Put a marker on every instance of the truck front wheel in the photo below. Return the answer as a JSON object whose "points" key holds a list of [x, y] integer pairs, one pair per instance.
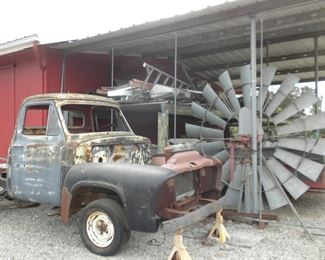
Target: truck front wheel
{"points": [[103, 227]]}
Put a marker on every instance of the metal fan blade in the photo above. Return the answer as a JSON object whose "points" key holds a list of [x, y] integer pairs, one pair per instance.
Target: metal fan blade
{"points": [[195, 131], [310, 145], [206, 115], [300, 103], [245, 121], [307, 167], [268, 75], [308, 123], [232, 197], [248, 194], [222, 156], [245, 77], [285, 88], [291, 183], [273, 193], [211, 148], [225, 173], [211, 96], [226, 83]]}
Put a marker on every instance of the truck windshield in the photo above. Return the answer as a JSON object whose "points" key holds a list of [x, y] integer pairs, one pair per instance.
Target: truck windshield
{"points": [[81, 118]]}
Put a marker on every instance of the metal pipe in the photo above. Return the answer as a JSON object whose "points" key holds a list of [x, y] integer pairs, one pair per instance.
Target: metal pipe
{"points": [[112, 67], [175, 84], [254, 129], [267, 53], [63, 74], [261, 120], [316, 70]]}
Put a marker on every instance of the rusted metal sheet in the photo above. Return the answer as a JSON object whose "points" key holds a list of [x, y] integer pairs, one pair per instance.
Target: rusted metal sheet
{"points": [[191, 218]]}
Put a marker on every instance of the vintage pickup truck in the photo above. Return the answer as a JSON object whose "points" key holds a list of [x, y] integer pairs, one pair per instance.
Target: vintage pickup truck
{"points": [[77, 152]]}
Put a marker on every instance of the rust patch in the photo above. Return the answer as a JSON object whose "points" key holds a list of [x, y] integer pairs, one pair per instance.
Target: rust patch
{"points": [[117, 157], [65, 205]]}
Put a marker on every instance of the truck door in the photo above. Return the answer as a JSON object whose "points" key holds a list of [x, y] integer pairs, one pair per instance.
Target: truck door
{"points": [[35, 155]]}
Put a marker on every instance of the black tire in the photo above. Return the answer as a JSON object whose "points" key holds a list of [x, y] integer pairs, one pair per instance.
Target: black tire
{"points": [[107, 213]]}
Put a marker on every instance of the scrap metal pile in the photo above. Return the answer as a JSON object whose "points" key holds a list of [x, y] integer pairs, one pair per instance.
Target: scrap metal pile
{"points": [[157, 85]]}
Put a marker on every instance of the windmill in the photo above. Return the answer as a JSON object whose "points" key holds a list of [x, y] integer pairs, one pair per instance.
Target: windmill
{"points": [[290, 150]]}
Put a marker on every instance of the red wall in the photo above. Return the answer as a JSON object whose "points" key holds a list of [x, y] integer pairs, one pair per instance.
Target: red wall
{"points": [[20, 76], [23, 75], [86, 72]]}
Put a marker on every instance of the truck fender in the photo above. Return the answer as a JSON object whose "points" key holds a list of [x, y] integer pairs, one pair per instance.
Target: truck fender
{"points": [[67, 195]]}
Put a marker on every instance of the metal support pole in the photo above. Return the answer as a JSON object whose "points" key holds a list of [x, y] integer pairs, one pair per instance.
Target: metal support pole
{"points": [[63, 74], [254, 129], [175, 84], [316, 70], [267, 53], [112, 67], [261, 122]]}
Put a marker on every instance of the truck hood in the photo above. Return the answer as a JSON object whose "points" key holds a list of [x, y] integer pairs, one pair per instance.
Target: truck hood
{"points": [[118, 147]]}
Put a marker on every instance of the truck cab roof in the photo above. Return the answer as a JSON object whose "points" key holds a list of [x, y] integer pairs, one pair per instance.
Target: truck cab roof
{"points": [[72, 97]]}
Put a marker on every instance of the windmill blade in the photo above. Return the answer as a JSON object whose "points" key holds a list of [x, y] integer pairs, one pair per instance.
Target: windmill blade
{"points": [[232, 197], [308, 123], [268, 75], [222, 156], [211, 148], [300, 103], [206, 115], [211, 96], [310, 145], [245, 121], [292, 184], [285, 88], [245, 77], [195, 131], [274, 196], [225, 173], [307, 167], [226, 83], [248, 188]]}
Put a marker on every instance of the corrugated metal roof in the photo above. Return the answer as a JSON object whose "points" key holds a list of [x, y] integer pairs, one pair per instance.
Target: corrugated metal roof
{"points": [[216, 38]]}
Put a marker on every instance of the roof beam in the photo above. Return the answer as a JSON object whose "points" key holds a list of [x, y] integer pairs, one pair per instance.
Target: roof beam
{"points": [[239, 42], [283, 72], [184, 22], [165, 48], [293, 56], [301, 81]]}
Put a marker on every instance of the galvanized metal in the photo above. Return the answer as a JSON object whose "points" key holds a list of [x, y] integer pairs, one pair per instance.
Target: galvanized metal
{"points": [[305, 166], [232, 197], [211, 148], [195, 131], [292, 184], [273, 194], [245, 77], [211, 96], [309, 145], [226, 83], [207, 115], [245, 122], [296, 105], [223, 156], [254, 128], [175, 86], [309, 123], [285, 88], [266, 77]]}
